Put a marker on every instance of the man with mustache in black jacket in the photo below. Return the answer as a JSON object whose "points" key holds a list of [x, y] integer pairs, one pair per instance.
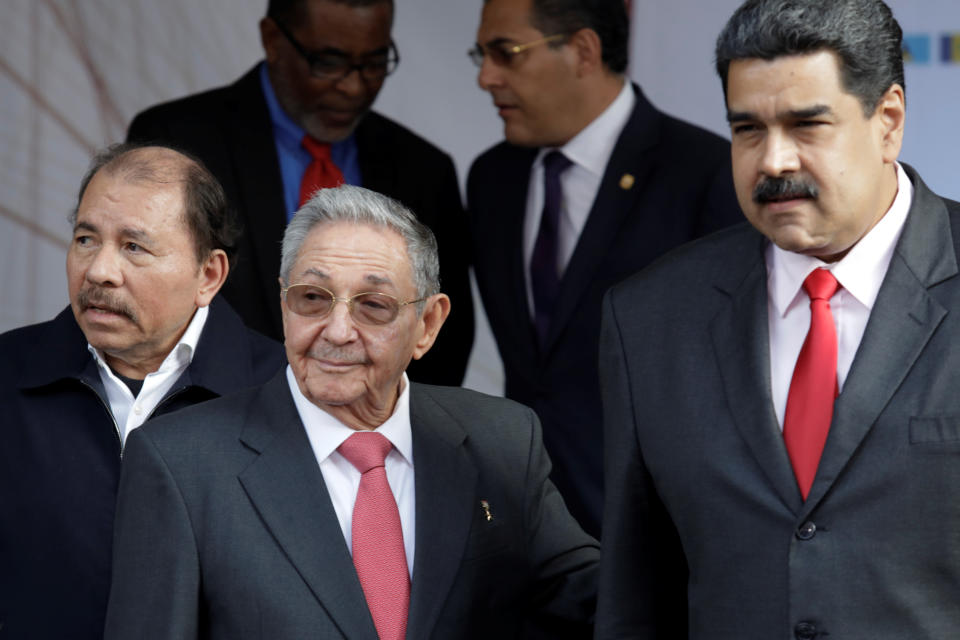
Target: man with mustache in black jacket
{"points": [[143, 335]]}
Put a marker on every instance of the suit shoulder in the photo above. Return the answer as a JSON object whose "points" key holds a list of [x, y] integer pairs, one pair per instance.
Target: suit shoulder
{"points": [[198, 106], [391, 134], [688, 269], [475, 408], [195, 427]]}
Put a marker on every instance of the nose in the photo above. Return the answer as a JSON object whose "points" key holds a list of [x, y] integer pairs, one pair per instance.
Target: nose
{"points": [[104, 268], [352, 84], [779, 154], [339, 327], [489, 75]]}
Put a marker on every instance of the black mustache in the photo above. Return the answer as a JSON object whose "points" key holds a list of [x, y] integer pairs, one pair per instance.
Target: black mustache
{"points": [[773, 189], [101, 299]]}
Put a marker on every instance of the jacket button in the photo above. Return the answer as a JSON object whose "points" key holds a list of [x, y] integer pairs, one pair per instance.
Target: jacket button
{"points": [[805, 631], [806, 531]]}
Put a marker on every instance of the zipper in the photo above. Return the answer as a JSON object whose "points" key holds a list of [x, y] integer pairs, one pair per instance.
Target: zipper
{"points": [[106, 407]]}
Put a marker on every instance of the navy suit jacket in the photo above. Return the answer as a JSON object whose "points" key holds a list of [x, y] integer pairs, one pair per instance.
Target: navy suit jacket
{"points": [[679, 187], [225, 528], [705, 525], [60, 464], [229, 129]]}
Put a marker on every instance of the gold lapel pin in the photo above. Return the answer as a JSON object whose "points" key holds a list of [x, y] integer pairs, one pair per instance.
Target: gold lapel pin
{"points": [[486, 510], [626, 181]]}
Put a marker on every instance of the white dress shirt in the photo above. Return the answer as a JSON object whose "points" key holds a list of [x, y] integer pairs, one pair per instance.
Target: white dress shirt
{"points": [[589, 151], [326, 433], [860, 274], [129, 412]]}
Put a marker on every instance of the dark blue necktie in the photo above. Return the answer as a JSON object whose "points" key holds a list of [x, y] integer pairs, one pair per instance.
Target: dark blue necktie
{"points": [[544, 264]]}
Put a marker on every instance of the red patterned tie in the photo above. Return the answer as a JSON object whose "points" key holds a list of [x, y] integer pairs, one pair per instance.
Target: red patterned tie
{"points": [[813, 388], [378, 552], [321, 173]]}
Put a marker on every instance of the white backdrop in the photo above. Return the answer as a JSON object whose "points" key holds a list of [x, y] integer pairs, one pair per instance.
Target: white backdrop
{"points": [[72, 75]]}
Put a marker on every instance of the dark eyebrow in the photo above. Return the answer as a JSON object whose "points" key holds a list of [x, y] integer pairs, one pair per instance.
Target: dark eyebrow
{"points": [[85, 226], [497, 42], [794, 114], [333, 51]]}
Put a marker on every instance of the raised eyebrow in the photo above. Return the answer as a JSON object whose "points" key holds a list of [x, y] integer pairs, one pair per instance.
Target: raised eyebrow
{"points": [[85, 226], [378, 280], [137, 235], [315, 272]]}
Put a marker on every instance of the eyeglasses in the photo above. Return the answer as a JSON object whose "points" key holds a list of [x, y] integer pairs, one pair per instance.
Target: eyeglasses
{"points": [[502, 55], [368, 308], [332, 64]]}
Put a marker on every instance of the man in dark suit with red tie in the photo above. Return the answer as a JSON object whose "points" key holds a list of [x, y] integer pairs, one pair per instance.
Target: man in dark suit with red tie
{"points": [[300, 120], [783, 428]]}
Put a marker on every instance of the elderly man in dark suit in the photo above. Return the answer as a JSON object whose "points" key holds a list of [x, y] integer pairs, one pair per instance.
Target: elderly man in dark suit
{"points": [[341, 500], [591, 185], [301, 119], [782, 430], [144, 335]]}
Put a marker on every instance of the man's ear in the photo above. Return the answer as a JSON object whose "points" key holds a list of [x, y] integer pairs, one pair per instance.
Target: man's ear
{"points": [[891, 111], [270, 37], [588, 48], [213, 273], [436, 308]]}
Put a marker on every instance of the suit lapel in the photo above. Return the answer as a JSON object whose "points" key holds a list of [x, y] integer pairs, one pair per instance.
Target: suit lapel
{"points": [[286, 488], [612, 204], [903, 319], [259, 182], [445, 479], [742, 346]]}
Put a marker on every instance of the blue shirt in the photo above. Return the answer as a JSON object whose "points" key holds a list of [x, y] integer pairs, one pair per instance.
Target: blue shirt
{"points": [[294, 159]]}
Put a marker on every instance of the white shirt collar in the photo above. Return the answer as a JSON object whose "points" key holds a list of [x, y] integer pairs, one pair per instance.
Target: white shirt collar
{"points": [[181, 354], [326, 433], [592, 147], [860, 272]]}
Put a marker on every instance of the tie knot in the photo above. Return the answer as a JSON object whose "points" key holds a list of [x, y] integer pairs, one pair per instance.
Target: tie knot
{"points": [[820, 285], [555, 163], [365, 450], [318, 150]]}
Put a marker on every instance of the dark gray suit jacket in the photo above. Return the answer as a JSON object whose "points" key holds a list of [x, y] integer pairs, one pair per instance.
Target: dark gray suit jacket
{"points": [[225, 528], [704, 524]]}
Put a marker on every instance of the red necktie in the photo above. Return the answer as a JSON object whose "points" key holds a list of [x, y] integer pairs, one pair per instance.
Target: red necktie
{"points": [[813, 388], [378, 552], [321, 172]]}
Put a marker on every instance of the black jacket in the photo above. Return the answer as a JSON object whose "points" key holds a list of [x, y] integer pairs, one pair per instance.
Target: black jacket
{"points": [[60, 464]]}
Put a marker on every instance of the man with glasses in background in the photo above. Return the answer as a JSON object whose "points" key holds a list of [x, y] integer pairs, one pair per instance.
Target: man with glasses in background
{"points": [[591, 184], [301, 120], [341, 500]]}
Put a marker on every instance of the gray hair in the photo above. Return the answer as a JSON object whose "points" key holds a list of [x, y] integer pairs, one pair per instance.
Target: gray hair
{"points": [[862, 33], [357, 205]]}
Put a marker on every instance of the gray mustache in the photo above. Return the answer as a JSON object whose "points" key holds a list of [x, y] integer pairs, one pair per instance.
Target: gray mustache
{"points": [[99, 298]]}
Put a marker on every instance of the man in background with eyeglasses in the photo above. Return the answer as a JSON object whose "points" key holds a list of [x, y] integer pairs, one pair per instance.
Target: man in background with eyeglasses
{"points": [[340, 499], [301, 120], [591, 184]]}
